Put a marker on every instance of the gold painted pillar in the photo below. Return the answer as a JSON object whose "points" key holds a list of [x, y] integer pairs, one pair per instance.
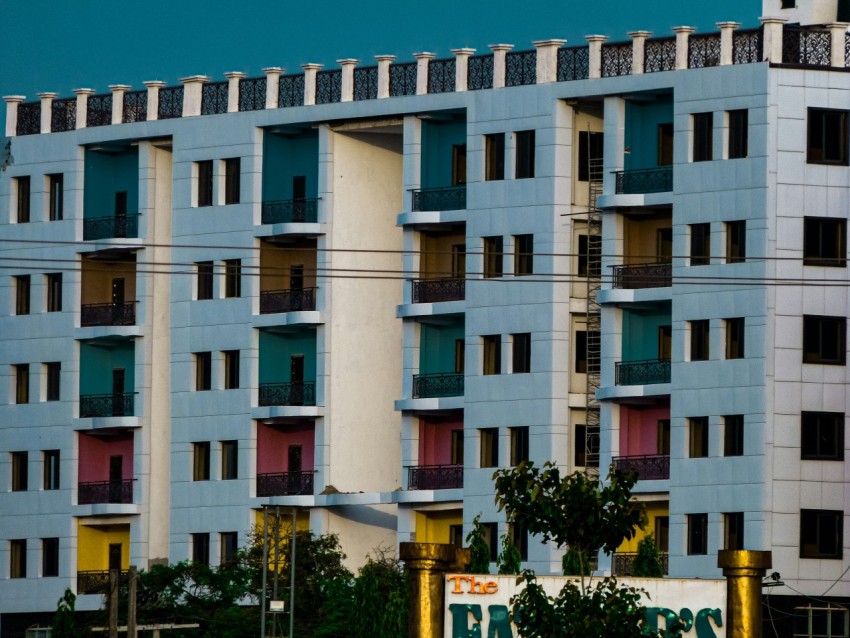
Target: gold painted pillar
{"points": [[427, 565], [744, 570]]}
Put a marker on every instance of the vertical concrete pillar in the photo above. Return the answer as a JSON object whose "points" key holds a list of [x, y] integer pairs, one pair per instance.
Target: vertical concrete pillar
{"points": [[744, 570], [462, 67], [118, 91], [422, 61], [500, 54], [427, 565], [682, 36], [153, 98], [82, 105], [273, 74], [233, 79], [12, 102], [384, 62], [547, 59], [347, 89], [594, 55], [615, 141], [837, 33], [772, 38], [638, 50], [193, 91], [310, 71], [727, 43], [46, 110]]}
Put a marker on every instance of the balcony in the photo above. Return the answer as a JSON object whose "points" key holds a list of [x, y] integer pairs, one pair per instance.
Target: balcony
{"points": [[443, 384], [658, 275], [648, 467], [285, 484], [96, 582], [436, 290], [108, 314], [112, 226], [646, 372], [298, 393], [290, 211], [645, 180], [622, 564], [298, 299], [447, 198], [97, 405], [435, 477], [105, 492]]}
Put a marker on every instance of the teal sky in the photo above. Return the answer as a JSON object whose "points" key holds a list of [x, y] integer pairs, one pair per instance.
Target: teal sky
{"points": [[52, 45]]}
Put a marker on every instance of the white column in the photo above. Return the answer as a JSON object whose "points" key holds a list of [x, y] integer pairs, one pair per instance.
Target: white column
{"points": [[118, 91], [384, 62], [82, 105], [837, 32], [193, 90], [46, 110], [310, 71], [273, 74], [500, 54], [422, 60], [615, 141], [727, 44], [547, 59], [153, 98], [594, 55], [682, 35], [772, 34], [12, 102], [462, 67], [347, 89], [638, 50], [233, 79]]}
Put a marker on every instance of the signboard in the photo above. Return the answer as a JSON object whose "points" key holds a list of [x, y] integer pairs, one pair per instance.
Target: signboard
{"points": [[479, 605]]}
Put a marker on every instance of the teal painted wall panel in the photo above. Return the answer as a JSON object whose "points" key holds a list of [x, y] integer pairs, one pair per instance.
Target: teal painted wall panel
{"points": [[97, 363], [640, 332], [286, 157], [276, 350], [437, 347], [642, 120], [437, 141], [107, 174]]}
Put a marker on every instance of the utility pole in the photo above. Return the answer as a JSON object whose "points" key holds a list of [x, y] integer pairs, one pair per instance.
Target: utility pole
{"points": [[114, 576], [292, 579], [131, 603], [265, 570]]}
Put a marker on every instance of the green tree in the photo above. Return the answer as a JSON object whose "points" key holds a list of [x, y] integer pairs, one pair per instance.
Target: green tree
{"points": [[479, 549], [380, 598], [648, 560], [64, 622], [509, 560]]}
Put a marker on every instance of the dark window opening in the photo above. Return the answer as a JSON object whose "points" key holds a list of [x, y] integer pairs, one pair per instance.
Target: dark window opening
{"points": [[493, 253], [489, 447], [519, 445], [494, 156], [458, 164], [824, 340], [54, 371], [738, 134], [201, 461], [203, 371], [735, 338], [492, 360], [22, 294], [205, 279], [205, 183], [697, 534], [824, 242], [55, 197], [822, 436], [736, 242], [700, 244], [54, 292], [699, 340], [231, 369], [51, 470], [665, 144], [698, 437], [821, 534], [733, 533], [523, 254], [703, 133], [49, 557], [733, 435], [22, 188], [521, 353], [590, 153], [827, 137], [524, 154], [232, 177], [201, 549]]}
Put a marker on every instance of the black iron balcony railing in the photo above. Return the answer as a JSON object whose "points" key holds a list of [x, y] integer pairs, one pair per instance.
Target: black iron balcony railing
{"points": [[105, 492], [642, 372], [434, 290], [446, 198], [112, 226], [29, 118], [434, 477], [645, 180], [285, 484], [290, 211], [623, 563], [108, 314], [443, 384], [93, 405], [806, 47], [298, 393], [648, 467], [272, 301], [96, 582], [658, 275]]}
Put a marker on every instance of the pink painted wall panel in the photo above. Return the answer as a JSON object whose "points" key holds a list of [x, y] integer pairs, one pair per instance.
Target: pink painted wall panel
{"points": [[273, 447], [95, 453], [435, 440], [639, 428]]}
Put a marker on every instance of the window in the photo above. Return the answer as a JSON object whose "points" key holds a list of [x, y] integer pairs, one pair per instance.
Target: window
{"points": [[662, 438], [821, 533], [698, 437], [227, 547], [519, 538], [22, 383], [233, 278], [231, 369], [22, 295], [699, 340], [589, 256], [489, 447], [22, 190], [523, 254], [201, 548], [822, 436], [736, 242], [492, 360], [827, 142], [703, 132], [459, 261], [204, 271], [51, 469], [20, 471], [590, 154], [824, 339], [665, 144], [18, 558], [665, 341], [524, 154], [229, 460], [203, 371], [205, 183], [738, 133], [232, 175], [733, 530], [54, 291], [458, 164], [697, 534], [457, 447], [824, 242], [53, 373], [49, 557], [55, 197], [519, 445], [733, 435], [493, 256], [460, 356], [700, 244], [491, 537], [521, 360], [201, 461], [585, 444], [494, 156], [789, 4], [456, 535], [734, 338], [662, 533], [826, 621], [581, 351]]}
